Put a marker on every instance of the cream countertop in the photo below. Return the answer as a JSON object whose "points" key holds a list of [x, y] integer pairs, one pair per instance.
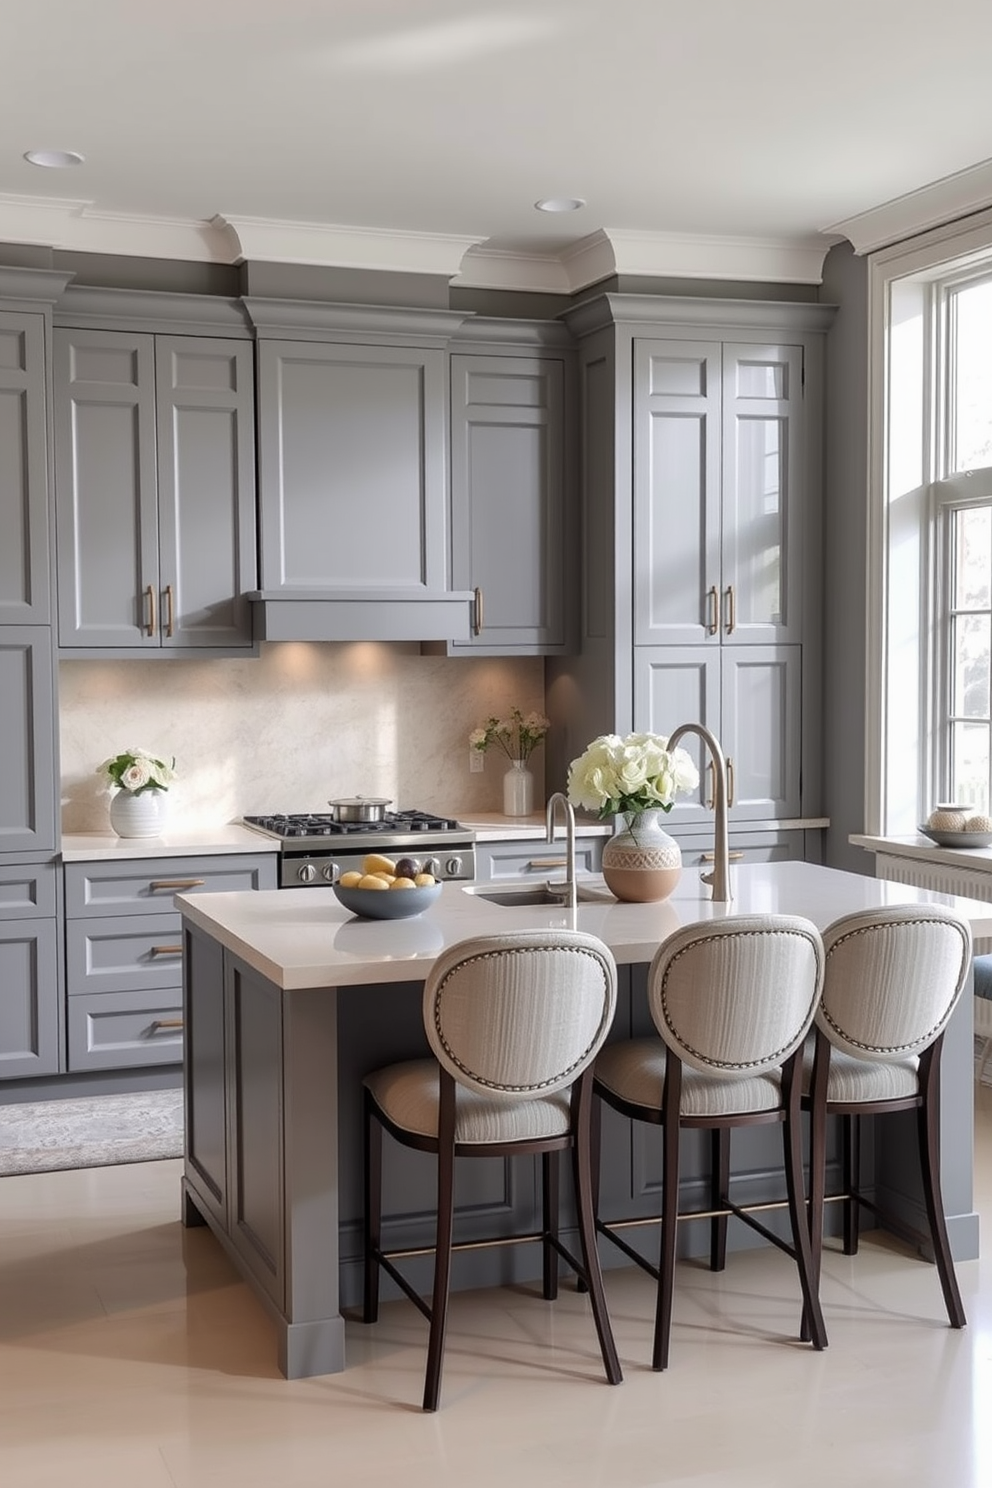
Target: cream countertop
{"points": [[491, 826], [181, 843], [300, 938]]}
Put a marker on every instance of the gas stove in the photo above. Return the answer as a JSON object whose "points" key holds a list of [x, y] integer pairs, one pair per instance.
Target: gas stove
{"points": [[317, 849]]}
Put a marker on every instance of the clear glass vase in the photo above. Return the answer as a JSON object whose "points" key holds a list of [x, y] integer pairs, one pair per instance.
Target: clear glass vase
{"points": [[518, 790]]}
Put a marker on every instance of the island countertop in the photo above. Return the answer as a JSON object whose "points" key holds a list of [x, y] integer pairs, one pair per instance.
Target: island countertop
{"points": [[303, 938]]}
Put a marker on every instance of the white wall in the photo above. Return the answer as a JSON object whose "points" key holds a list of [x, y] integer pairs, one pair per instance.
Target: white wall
{"points": [[288, 730]]}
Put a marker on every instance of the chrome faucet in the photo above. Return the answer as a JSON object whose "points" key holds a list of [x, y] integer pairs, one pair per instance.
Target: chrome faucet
{"points": [[720, 877], [566, 888]]}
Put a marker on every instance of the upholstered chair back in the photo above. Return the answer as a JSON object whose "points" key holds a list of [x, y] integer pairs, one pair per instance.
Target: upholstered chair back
{"points": [[521, 1015], [893, 978], [736, 997]]}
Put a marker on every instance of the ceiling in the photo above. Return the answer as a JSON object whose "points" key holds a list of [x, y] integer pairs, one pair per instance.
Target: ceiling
{"points": [[407, 133]]}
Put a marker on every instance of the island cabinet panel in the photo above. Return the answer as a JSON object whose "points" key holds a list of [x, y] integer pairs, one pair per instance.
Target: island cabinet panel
{"points": [[256, 1202], [535, 859], [24, 570], [204, 1072], [29, 973], [155, 491]]}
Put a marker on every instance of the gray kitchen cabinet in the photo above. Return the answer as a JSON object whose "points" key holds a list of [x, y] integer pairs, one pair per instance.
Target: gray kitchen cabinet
{"points": [[24, 569], [510, 535], [532, 859], [29, 971], [123, 952], [155, 491], [28, 776]]}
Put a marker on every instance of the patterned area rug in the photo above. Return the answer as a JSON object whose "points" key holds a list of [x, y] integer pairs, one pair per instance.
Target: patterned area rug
{"points": [[92, 1132]]}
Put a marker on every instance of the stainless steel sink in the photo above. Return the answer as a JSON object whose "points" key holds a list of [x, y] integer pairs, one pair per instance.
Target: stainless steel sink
{"points": [[527, 896]]}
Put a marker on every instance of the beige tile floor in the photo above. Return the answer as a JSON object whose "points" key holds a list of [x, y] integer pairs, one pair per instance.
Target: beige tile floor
{"points": [[130, 1354]]}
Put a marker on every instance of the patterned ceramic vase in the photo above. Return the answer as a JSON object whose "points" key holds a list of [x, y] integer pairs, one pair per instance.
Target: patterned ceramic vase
{"points": [[641, 863], [138, 813]]}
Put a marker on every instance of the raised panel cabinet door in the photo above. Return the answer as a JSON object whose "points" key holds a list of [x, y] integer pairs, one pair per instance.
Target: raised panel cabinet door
{"points": [[675, 685], [28, 783], [677, 513], [761, 601], [29, 999], [206, 490], [762, 714], [106, 502], [507, 500], [25, 597], [352, 468]]}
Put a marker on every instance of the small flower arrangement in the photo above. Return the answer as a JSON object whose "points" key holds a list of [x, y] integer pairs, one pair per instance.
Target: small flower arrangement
{"points": [[136, 770], [623, 777], [518, 736]]}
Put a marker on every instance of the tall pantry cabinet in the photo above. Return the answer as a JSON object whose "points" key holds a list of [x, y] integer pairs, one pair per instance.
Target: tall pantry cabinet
{"points": [[29, 962], [701, 479]]}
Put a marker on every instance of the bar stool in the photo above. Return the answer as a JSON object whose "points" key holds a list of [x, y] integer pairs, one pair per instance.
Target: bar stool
{"points": [[733, 1000], [893, 978], [514, 1022]]}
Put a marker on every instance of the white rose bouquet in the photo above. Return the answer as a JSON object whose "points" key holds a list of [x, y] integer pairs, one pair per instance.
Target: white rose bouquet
{"points": [[136, 770], [623, 777]]}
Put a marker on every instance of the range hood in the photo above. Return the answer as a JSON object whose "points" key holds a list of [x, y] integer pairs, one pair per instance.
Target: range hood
{"points": [[362, 615]]}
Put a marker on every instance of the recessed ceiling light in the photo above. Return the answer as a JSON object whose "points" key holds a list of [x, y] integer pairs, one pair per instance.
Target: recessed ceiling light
{"points": [[53, 159], [559, 204]]}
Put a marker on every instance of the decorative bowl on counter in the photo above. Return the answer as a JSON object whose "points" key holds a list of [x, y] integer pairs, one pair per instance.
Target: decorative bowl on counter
{"points": [[387, 904], [956, 839]]}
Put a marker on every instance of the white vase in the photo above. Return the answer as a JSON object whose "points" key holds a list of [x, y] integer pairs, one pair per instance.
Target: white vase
{"points": [[642, 863], [518, 790], [138, 813]]}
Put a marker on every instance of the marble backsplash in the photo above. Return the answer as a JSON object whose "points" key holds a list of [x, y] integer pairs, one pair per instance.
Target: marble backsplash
{"points": [[292, 728]]}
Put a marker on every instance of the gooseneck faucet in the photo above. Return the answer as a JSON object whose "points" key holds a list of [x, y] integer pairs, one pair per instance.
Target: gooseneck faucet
{"points": [[720, 877], [567, 889]]}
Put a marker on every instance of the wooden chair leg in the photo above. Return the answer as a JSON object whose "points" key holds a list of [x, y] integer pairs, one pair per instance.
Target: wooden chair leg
{"points": [[373, 1209], [817, 1172], [550, 1200], [595, 1154], [851, 1129], [582, 1171], [719, 1187], [669, 1213], [442, 1255], [812, 1319], [928, 1128]]}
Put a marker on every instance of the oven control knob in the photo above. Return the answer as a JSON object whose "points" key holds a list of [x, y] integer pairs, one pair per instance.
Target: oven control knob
{"points": [[330, 872], [307, 873], [431, 865], [453, 867]]}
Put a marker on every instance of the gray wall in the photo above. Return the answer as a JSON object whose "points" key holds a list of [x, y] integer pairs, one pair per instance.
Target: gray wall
{"points": [[845, 284]]}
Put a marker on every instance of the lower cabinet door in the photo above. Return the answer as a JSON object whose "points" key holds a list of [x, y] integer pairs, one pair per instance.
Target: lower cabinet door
{"points": [[125, 1030], [29, 998]]}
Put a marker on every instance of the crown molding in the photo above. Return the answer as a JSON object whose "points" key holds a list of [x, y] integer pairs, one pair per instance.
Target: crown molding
{"points": [[933, 205], [64, 223], [335, 245]]}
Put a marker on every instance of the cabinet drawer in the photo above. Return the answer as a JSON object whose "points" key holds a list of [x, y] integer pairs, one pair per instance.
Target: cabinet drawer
{"points": [[535, 859], [745, 847], [124, 1030], [28, 892], [124, 954], [149, 885]]}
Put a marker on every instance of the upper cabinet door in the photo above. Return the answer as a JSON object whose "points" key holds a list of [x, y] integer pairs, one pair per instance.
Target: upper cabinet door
{"points": [[206, 483], [27, 740], [352, 479], [106, 499], [24, 581], [676, 558], [762, 505], [508, 464]]}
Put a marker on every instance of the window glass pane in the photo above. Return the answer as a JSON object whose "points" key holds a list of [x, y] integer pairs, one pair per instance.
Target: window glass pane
{"points": [[972, 641], [972, 376], [970, 765], [972, 550]]}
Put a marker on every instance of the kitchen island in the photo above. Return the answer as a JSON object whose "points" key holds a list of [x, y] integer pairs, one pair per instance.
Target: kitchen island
{"points": [[289, 1000]]}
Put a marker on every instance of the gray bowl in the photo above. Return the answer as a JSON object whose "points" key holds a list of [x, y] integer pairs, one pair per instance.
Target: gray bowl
{"points": [[387, 904], [957, 839]]}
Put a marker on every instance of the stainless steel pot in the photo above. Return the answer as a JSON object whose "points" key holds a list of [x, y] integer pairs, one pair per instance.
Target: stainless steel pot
{"points": [[360, 808]]}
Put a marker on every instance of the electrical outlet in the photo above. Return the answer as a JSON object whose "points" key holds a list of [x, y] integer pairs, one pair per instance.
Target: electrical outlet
{"points": [[476, 761]]}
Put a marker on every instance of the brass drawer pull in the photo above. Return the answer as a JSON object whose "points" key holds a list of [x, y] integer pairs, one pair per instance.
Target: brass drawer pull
{"points": [[731, 609], [548, 863], [176, 883], [161, 1024], [711, 777], [711, 857], [166, 950], [477, 618], [730, 781], [713, 604], [167, 626], [152, 624]]}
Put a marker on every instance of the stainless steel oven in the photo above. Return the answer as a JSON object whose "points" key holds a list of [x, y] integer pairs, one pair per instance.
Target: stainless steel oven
{"points": [[316, 849]]}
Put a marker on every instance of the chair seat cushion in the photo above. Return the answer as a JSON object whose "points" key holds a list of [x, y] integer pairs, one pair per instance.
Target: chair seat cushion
{"points": [[634, 1070], [408, 1094], [854, 1080]]}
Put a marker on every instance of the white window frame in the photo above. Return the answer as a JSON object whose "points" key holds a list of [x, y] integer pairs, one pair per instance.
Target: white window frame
{"points": [[901, 754]]}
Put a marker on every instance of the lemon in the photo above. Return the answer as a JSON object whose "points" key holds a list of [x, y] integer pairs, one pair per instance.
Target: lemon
{"points": [[351, 879], [372, 881], [376, 863], [424, 880], [402, 883]]}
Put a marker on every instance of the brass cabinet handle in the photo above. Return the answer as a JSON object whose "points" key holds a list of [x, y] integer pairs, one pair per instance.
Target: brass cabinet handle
{"points": [[710, 799], [711, 857], [730, 782], [176, 883], [152, 625], [713, 607], [731, 609], [167, 950], [167, 626], [548, 863], [162, 1023], [477, 619]]}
